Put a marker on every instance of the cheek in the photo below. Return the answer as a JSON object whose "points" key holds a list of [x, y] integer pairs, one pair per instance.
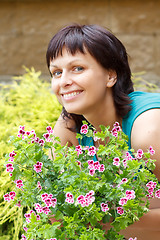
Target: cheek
{"points": [[54, 86]]}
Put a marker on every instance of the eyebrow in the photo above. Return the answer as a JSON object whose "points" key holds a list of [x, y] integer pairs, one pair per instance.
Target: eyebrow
{"points": [[75, 60]]}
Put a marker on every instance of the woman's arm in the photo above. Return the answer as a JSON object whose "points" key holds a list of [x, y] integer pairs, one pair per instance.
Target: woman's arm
{"points": [[66, 136]]}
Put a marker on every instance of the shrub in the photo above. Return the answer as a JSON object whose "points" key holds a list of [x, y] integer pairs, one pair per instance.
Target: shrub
{"points": [[28, 101]]}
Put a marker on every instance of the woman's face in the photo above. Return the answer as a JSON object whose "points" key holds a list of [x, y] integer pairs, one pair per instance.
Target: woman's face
{"points": [[79, 82]]}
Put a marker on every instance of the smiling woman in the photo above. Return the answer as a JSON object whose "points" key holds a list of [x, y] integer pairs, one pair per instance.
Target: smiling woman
{"points": [[91, 78]]}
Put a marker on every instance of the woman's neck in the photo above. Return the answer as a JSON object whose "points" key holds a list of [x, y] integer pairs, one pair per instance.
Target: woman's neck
{"points": [[104, 115]]}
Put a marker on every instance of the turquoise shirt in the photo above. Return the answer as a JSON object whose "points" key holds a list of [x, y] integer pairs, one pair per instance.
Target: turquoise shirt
{"points": [[141, 102]]}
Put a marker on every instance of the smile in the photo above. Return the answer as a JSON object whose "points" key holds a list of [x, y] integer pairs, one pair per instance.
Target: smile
{"points": [[72, 94]]}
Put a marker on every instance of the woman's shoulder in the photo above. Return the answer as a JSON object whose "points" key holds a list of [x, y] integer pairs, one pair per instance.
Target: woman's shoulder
{"points": [[62, 129]]}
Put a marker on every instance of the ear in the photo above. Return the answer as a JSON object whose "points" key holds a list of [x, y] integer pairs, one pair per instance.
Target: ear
{"points": [[112, 78]]}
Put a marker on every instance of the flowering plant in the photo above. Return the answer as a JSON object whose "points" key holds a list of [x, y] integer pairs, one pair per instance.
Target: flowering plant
{"points": [[76, 191]]}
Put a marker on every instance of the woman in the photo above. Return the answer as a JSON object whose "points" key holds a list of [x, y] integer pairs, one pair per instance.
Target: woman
{"points": [[91, 78]]}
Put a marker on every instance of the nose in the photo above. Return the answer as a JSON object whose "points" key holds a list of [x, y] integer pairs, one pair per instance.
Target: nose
{"points": [[65, 79]]}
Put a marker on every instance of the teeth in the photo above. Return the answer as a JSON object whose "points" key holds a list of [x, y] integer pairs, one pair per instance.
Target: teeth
{"points": [[68, 95]]}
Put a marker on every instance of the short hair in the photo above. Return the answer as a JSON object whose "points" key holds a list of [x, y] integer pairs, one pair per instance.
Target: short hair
{"points": [[108, 51]]}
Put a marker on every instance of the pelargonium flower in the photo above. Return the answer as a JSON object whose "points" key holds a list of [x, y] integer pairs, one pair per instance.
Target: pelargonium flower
{"points": [[114, 132], [92, 151], [102, 168], [84, 129], [117, 126], [130, 194], [69, 198], [139, 153], [18, 204], [21, 131], [123, 201], [120, 210], [49, 129], [95, 137], [150, 190], [41, 142], [52, 239], [96, 165], [124, 162], [151, 150], [87, 199], [92, 171], [9, 196], [28, 216], [151, 184], [116, 161], [38, 167], [19, 183], [128, 156], [79, 149], [38, 217], [25, 229], [48, 200], [9, 167], [104, 207], [132, 238], [39, 185], [79, 163], [12, 156], [90, 164], [38, 208], [157, 193], [23, 237], [46, 210]]}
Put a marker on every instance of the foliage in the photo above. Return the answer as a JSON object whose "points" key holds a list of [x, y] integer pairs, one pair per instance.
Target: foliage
{"points": [[143, 85], [80, 192], [28, 100]]}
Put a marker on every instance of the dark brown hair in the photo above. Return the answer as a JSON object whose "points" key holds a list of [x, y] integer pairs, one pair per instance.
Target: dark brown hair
{"points": [[109, 52]]}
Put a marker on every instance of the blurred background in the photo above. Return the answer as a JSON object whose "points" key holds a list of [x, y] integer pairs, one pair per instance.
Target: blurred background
{"points": [[26, 28]]}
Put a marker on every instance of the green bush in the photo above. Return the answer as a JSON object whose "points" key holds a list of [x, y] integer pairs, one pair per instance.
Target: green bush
{"points": [[28, 101]]}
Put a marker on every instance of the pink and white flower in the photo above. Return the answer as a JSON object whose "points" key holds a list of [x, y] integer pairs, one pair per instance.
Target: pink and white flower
{"points": [[120, 210], [19, 183], [151, 150], [39, 185], [9, 167], [104, 207], [139, 153], [116, 161], [123, 201], [130, 194], [151, 184], [23, 237], [79, 149], [157, 193], [38, 167], [38, 208], [84, 129], [92, 151], [87, 199], [9, 196], [92, 171], [102, 168], [69, 198]]}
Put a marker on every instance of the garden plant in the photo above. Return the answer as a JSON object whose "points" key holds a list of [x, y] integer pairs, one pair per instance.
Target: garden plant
{"points": [[79, 192], [29, 102]]}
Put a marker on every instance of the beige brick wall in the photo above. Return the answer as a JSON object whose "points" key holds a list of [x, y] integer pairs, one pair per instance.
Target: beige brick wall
{"points": [[27, 26]]}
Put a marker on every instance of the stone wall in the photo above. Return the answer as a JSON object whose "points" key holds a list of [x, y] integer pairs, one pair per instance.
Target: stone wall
{"points": [[27, 26]]}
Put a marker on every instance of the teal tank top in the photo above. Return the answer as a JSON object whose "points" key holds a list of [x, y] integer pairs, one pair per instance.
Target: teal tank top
{"points": [[141, 102]]}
